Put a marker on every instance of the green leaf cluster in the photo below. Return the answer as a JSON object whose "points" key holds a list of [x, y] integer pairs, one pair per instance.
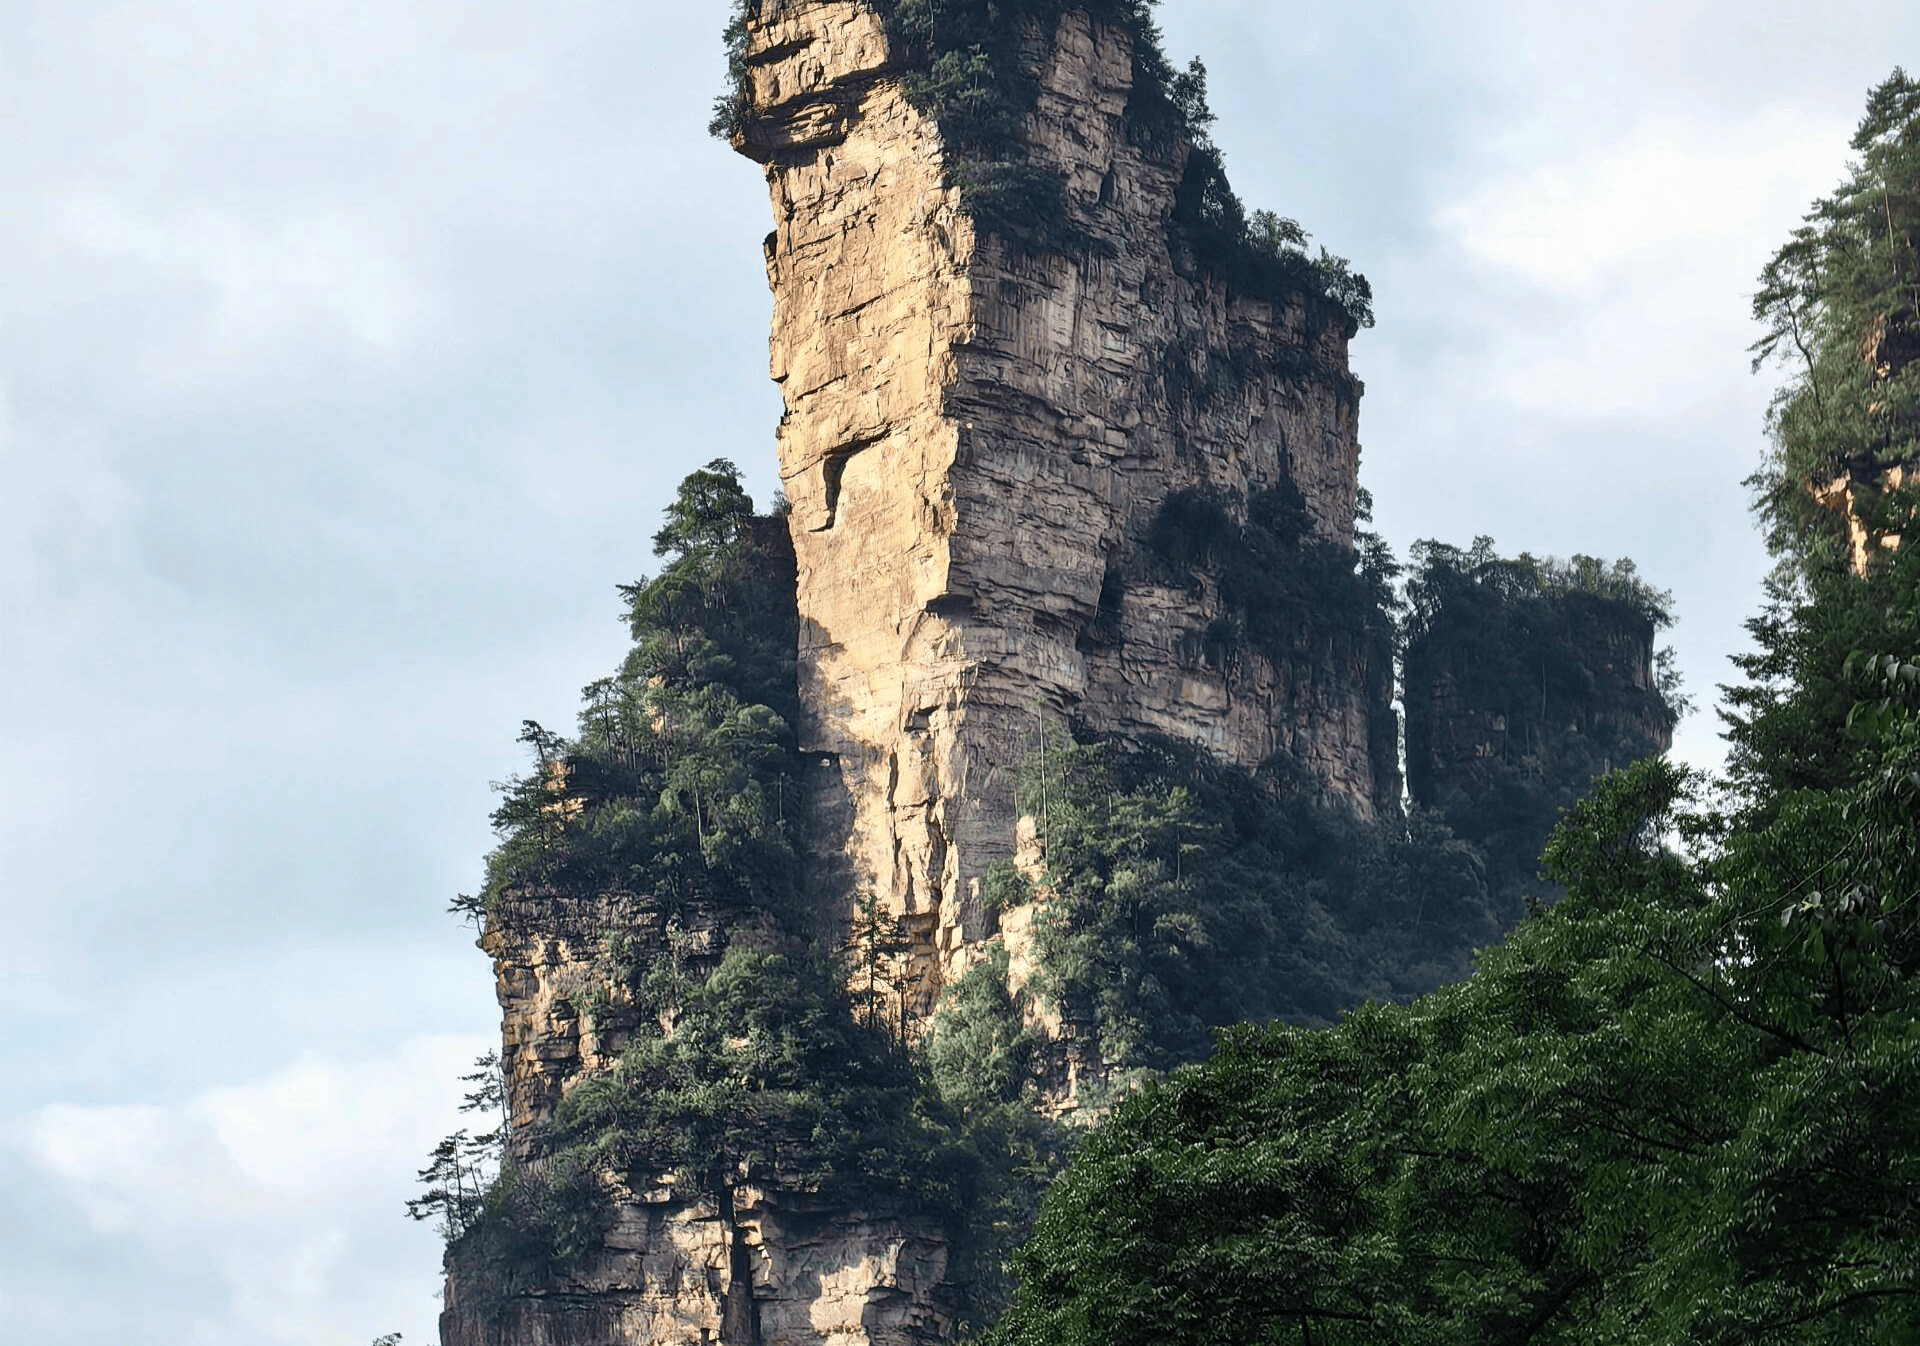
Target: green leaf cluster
{"points": [[1791, 725], [758, 1067], [1655, 1114], [983, 1058], [759, 1048], [679, 779]]}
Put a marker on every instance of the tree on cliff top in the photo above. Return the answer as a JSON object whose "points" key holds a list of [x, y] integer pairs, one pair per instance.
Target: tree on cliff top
{"points": [[678, 779], [973, 66], [1522, 643]]}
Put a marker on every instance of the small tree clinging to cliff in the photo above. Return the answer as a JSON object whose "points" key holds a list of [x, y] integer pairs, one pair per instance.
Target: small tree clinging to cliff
{"points": [[462, 1166]]}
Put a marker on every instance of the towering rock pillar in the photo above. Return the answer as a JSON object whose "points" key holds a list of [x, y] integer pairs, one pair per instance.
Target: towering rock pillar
{"points": [[978, 440]]}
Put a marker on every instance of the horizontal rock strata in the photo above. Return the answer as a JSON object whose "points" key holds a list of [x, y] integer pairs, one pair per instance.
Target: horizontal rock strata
{"points": [[976, 444]]}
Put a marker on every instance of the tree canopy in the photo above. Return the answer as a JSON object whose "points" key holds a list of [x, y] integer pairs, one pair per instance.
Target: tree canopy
{"points": [[1681, 1105], [1658, 1112]]}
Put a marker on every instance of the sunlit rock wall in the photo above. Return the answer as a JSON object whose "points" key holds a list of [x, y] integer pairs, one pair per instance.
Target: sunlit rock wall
{"points": [[976, 444]]}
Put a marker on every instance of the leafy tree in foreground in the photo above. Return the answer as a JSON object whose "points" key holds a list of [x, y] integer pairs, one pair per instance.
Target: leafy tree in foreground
{"points": [[1656, 1114]]}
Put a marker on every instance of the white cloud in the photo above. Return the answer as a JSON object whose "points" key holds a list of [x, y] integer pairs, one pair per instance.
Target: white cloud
{"points": [[1576, 223], [1613, 280], [61, 504], [280, 1197], [258, 279]]}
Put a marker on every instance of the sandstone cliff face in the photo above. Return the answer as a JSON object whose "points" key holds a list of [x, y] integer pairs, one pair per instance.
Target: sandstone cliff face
{"points": [[777, 1269], [976, 445], [768, 1262]]}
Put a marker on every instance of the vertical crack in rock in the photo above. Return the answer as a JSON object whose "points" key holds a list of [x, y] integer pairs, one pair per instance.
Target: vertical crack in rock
{"points": [[740, 1319]]}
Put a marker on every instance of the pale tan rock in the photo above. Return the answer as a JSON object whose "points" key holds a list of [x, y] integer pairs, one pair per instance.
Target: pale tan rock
{"points": [[1840, 493], [781, 1272], [976, 444]]}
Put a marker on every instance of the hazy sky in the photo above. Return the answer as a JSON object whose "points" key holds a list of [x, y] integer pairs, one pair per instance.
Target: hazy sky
{"points": [[348, 352]]}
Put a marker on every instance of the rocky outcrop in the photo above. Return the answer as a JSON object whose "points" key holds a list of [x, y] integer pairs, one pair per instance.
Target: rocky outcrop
{"points": [[1578, 699], [774, 1269], [977, 441], [767, 1261], [551, 967], [978, 445]]}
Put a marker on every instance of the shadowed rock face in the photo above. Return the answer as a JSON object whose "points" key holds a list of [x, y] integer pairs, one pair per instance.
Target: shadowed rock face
{"points": [[1461, 731], [976, 444]]}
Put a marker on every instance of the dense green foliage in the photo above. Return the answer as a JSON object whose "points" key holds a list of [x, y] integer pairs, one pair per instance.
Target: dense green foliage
{"points": [[972, 64], [1841, 303], [1524, 643], [1789, 726], [678, 779], [1186, 895], [765, 1071], [1682, 1105], [750, 1051], [1657, 1113], [982, 1056]]}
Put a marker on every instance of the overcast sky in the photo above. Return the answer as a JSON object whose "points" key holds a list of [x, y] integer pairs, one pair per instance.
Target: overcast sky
{"points": [[348, 352]]}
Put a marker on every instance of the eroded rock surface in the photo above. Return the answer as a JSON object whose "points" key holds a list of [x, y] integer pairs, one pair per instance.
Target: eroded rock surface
{"points": [[775, 1270], [976, 444]]}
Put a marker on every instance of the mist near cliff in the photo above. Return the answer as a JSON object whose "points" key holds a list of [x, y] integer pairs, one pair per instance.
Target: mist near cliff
{"points": [[348, 355]]}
